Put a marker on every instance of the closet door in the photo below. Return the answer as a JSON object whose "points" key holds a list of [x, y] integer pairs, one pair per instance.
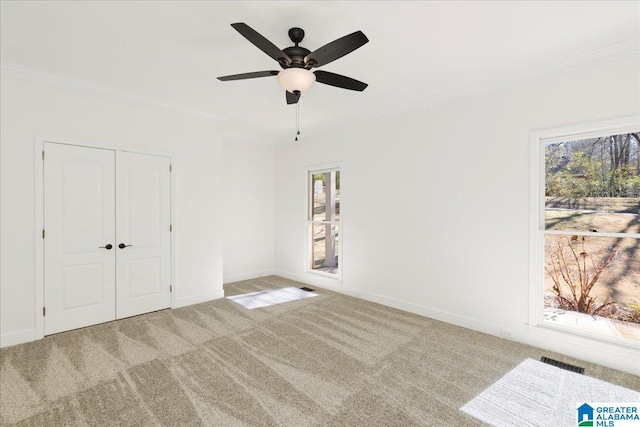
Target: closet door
{"points": [[143, 246], [79, 245]]}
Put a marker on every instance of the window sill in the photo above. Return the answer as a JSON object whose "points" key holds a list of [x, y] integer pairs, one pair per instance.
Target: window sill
{"points": [[593, 327], [331, 276]]}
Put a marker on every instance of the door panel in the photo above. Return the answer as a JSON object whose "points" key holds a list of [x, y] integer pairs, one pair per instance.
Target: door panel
{"points": [[143, 219], [83, 217], [79, 218], [145, 277], [81, 286]]}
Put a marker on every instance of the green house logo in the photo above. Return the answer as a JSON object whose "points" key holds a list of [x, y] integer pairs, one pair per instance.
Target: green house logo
{"points": [[585, 415]]}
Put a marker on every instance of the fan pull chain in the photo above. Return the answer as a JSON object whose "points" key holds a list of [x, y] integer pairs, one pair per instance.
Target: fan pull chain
{"points": [[297, 119]]}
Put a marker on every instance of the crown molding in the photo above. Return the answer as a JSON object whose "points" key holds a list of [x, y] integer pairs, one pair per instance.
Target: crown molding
{"points": [[619, 50], [49, 79]]}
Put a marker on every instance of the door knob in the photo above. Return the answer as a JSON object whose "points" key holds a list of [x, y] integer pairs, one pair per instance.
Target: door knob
{"points": [[107, 247], [122, 245]]}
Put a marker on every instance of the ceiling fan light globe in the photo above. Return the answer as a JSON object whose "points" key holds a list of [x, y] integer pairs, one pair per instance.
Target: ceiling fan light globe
{"points": [[299, 79]]}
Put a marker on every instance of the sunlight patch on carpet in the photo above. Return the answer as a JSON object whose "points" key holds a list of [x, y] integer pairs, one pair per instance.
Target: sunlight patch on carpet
{"points": [[539, 395], [274, 296]]}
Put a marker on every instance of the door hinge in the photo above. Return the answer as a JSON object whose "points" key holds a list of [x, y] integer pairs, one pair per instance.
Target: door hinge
{"points": [[43, 233], [170, 288], [170, 228], [169, 167], [44, 311], [42, 154]]}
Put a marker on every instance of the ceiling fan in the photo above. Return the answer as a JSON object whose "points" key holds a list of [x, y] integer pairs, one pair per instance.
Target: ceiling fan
{"points": [[296, 61]]}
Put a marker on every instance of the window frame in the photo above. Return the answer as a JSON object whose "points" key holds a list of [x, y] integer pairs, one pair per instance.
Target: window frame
{"points": [[310, 171], [538, 141]]}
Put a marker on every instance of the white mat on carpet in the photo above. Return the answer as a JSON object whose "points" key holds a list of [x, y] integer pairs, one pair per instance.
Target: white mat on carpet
{"points": [[271, 297], [539, 395]]}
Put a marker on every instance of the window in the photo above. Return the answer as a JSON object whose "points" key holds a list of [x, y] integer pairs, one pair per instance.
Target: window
{"points": [[586, 231], [324, 221]]}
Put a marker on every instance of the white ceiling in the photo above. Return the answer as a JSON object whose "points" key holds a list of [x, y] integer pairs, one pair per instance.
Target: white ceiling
{"points": [[419, 52]]}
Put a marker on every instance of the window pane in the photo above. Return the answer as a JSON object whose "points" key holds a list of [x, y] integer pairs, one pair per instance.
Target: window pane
{"points": [[592, 283], [325, 188], [593, 184], [324, 247]]}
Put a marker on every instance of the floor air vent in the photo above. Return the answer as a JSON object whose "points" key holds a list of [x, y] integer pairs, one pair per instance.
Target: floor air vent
{"points": [[562, 365], [304, 288]]}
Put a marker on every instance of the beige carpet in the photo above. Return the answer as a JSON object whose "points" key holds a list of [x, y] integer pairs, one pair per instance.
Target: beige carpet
{"points": [[329, 360]]}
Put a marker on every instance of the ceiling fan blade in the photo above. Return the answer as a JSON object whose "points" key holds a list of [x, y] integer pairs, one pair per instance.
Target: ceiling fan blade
{"points": [[340, 81], [253, 75], [262, 43], [336, 49], [292, 98]]}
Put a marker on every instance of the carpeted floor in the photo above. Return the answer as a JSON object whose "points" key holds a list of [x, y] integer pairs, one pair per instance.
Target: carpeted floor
{"points": [[330, 360], [536, 394]]}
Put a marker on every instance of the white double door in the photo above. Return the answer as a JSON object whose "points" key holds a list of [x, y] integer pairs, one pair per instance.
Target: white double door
{"points": [[107, 243]]}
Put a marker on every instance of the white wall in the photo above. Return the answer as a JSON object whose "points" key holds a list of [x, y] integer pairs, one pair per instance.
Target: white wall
{"points": [[248, 209], [28, 109], [435, 203]]}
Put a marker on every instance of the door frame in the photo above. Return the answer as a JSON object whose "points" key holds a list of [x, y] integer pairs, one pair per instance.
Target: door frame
{"points": [[39, 141]]}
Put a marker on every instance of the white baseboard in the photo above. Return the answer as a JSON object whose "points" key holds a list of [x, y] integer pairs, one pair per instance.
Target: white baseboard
{"points": [[621, 357], [197, 299], [611, 355], [28, 335], [246, 276], [316, 280], [19, 337]]}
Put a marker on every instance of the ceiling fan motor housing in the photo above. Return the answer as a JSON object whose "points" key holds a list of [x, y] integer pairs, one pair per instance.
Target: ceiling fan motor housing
{"points": [[296, 53]]}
